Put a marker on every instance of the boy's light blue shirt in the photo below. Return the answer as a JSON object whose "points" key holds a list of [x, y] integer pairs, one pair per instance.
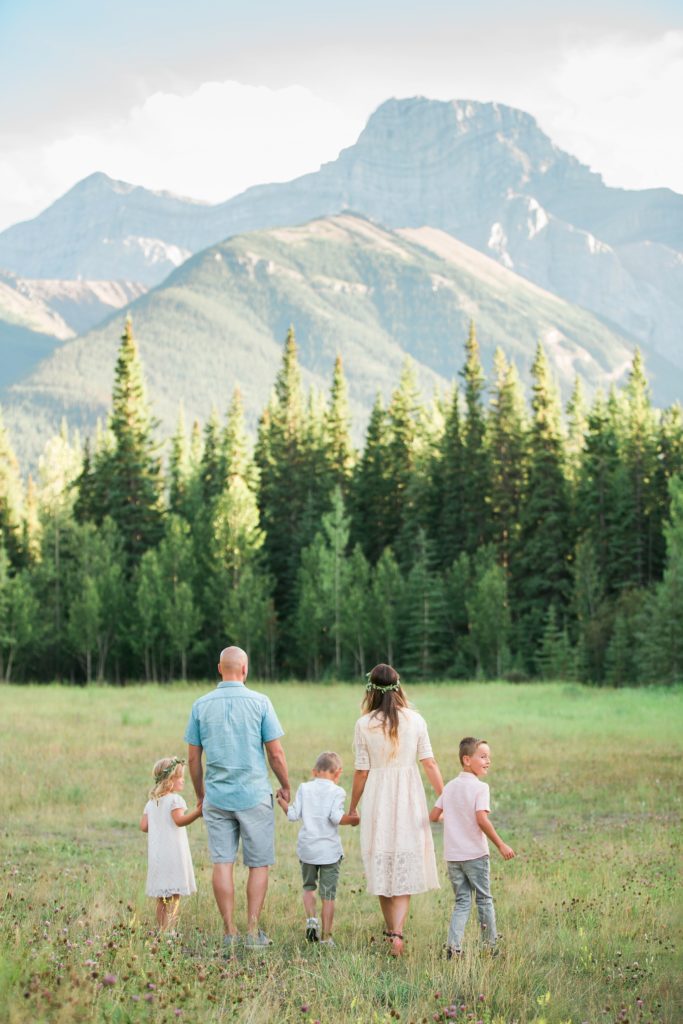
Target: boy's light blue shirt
{"points": [[231, 724]]}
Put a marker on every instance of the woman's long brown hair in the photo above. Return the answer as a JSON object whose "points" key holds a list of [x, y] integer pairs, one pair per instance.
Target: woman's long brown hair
{"points": [[385, 705]]}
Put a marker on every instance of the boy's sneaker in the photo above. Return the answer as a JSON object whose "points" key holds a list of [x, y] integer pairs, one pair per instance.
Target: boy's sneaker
{"points": [[312, 929], [258, 941], [328, 941]]}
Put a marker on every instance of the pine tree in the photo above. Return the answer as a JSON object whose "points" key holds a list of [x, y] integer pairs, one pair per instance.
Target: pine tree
{"points": [[130, 473], [555, 658], [11, 499], [424, 649], [356, 599], [447, 481], [371, 488], [178, 467], [280, 458], [661, 647], [338, 448], [508, 458], [540, 570], [640, 457], [384, 613], [489, 621], [600, 498], [476, 493], [404, 450]]}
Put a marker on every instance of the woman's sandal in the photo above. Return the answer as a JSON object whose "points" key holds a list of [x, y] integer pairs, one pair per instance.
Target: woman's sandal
{"points": [[396, 943]]}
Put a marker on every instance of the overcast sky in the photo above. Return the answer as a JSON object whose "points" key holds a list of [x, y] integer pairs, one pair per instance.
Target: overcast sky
{"points": [[208, 97]]}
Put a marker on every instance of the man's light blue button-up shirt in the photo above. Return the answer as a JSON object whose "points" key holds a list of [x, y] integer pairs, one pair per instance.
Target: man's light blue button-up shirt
{"points": [[232, 723]]}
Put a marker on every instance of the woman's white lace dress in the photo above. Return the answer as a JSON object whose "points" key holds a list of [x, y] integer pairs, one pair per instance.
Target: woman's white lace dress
{"points": [[395, 835], [169, 861]]}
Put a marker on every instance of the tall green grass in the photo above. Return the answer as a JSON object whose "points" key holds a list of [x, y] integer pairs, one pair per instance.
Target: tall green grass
{"points": [[585, 786]]}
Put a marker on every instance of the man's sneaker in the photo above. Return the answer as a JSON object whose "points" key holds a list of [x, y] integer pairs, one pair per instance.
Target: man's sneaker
{"points": [[258, 941], [329, 941], [312, 929], [230, 943], [452, 953]]}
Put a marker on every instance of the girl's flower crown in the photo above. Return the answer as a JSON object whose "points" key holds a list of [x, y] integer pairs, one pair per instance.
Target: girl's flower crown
{"points": [[169, 769], [381, 689]]}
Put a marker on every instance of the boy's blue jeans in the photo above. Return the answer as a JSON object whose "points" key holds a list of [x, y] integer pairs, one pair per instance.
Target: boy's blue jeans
{"points": [[467, 877]]}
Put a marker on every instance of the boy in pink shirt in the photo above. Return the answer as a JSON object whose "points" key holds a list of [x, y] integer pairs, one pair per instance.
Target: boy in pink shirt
{"points": [[465, 807]]}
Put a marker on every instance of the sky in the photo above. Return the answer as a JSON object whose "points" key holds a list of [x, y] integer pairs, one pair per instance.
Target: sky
{"points": [[207, 98]]}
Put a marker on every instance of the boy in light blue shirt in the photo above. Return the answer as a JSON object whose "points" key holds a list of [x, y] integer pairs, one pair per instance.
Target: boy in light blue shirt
{"points": [[319, 805]]}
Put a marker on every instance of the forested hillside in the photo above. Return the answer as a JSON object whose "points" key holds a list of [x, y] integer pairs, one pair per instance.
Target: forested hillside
{"points": [[479, 534]]}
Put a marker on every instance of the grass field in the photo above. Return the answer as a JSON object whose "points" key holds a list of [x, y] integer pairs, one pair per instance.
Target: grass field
{"points": [[585, 785]]}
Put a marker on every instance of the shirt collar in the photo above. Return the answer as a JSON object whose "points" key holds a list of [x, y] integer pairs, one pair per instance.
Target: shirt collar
{"points": [[229, 682]]}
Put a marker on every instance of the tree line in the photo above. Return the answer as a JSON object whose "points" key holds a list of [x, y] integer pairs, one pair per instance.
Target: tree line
{"points": [[474, 535]]}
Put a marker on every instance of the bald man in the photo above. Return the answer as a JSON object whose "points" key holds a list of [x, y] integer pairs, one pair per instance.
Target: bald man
{"points": [[232, 726]]}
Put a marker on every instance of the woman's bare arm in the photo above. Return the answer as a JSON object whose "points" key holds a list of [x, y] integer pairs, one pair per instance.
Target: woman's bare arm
{"points": [[433, 773], [360, 777]]}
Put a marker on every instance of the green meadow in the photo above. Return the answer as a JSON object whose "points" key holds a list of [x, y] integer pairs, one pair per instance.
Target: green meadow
{"points": [[586, 786]]}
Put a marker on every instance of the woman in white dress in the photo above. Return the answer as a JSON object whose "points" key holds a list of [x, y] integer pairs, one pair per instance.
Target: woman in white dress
{"points": [[396, 839]]}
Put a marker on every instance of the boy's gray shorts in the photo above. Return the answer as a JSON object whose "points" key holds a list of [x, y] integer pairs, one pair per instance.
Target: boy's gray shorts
{"points": [[255, 825], [327, 874]]}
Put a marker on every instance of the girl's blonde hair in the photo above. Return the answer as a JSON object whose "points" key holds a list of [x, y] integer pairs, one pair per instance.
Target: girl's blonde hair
{"points": [[166, 771]]}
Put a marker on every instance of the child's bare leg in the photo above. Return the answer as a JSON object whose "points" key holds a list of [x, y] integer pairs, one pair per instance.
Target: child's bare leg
{"points": [[328, 917], [167, 910], [309, 902]]}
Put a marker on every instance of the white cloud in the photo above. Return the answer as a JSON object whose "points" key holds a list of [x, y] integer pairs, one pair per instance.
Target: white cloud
{"points": [[617, 106], [210, 144]]}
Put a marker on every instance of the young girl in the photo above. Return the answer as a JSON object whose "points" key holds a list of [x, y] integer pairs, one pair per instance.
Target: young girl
{"points": [[169, 863]]}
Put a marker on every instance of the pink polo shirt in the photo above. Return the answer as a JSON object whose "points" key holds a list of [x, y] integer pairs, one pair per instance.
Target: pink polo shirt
{"points": [[462, 797]]}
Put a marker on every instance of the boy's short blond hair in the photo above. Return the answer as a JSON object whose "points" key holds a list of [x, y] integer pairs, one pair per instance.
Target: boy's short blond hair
{"points": [[328, 761], [468, 746]]}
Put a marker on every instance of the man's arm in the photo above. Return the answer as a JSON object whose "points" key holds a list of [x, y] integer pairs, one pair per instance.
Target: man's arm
{"points": [[278, 766], [194, 763], [487, 828]]}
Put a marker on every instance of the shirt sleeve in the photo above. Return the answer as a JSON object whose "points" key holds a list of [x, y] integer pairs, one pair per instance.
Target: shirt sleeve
{"points": [[148, 806], [439, 802], [337, 808], [270, 726], [192, 731], [482, 801], [177, 802], [362, 762], [424, 747], [294, 810]]}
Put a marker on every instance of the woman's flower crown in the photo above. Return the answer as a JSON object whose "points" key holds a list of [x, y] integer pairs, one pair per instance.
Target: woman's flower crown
{"points": [[381, 689], [169, 769]]}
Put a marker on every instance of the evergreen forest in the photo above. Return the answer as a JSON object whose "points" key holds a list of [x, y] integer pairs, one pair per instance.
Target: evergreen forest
{"points": [[482, 534]]}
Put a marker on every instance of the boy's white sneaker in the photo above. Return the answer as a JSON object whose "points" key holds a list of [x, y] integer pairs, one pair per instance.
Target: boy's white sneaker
{"points": [[328, 941], [312, 929]]}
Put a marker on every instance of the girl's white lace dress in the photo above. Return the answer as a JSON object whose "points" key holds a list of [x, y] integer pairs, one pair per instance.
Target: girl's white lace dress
{"points": [[169, 861], [395, 835]]}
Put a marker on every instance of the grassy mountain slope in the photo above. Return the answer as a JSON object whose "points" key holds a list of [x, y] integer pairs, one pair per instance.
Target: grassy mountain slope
{"points": [[349, 287]]}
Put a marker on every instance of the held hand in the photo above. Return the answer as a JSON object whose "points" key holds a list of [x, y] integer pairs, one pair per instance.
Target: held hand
{"points": [[355, 818], [284, 793], [200, 807], [506, 852], [282, 802]]}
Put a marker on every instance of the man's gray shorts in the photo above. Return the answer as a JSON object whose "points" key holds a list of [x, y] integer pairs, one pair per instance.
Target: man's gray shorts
{"points": [[256, 826]]}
